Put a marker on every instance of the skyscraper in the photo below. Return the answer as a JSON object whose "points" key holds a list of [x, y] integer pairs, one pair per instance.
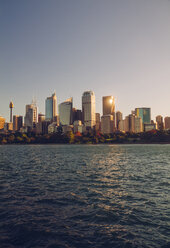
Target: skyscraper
{"points": [[65, 112], [145, 114], [17, 122], [108, 105], [31, 115], [88, 109], [107, 124], [51, 107], [11, 106], [159, 121], [167, 122], [119, 117]]}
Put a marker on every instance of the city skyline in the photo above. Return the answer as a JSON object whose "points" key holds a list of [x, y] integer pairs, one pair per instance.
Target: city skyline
{"points": [[8, 114], [118, 48]]}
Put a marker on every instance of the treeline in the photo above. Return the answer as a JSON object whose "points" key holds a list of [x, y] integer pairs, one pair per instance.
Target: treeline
{"points": [[154, 136]]}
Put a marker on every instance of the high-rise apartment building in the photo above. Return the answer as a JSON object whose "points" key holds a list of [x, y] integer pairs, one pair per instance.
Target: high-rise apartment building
{"points": [[145, 114], [17, 122], [119, 117], [167, 122], [31, 115], [88, 109], [159, 122], [51, 107], [65, 112]]}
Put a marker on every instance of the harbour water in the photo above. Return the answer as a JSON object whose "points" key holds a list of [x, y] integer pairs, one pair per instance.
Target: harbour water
{"points": [[84, 196]]}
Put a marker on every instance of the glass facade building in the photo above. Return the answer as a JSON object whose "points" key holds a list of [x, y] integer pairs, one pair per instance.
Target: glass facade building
{"points": [[145, 114], [88, 109], [65, 112], [51, 107]]}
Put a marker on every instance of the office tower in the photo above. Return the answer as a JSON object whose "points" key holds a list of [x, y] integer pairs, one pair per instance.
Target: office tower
{"points": [[145, 114], [159, 121], [65, 112], [98, 123], [17, 122], [51, 107], [167, 122], [11, 106], [108, 105], [2, 122], [31, 115], [107, 124], [119, 117], [88, 109]]}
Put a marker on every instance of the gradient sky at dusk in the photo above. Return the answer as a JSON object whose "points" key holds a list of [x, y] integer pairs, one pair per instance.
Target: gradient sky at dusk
{"points": [[113, 47]]}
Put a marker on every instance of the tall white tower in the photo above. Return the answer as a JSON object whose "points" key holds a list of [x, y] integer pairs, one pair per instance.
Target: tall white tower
{"points": [[88, 109]]}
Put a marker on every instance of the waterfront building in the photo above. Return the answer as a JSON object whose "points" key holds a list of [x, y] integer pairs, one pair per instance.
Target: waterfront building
{"points": [[119, 117], [51, 107], [98, 122], [145, 114], [65, 112], [17, 122], [167, 122], [159, 122], [107, 124], [88, 109], [2, 122], [31, 115]]}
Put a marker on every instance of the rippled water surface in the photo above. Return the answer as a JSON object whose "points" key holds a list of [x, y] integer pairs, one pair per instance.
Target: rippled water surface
{"points": [[85, 196]]}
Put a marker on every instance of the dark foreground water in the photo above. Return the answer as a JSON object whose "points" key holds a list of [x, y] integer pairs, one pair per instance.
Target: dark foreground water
{"points": [[85, 196]]}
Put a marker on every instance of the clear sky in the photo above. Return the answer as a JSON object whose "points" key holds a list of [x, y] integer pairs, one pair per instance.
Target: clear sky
{"points": [[113, 47]]}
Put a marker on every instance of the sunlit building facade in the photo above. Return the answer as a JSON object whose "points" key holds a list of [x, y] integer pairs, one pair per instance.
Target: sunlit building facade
{"points": [[31, 115], [65, 112], [159, 122], [2, 122], [88, 109], [51, 107], [109, 107], [145, 114]]}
